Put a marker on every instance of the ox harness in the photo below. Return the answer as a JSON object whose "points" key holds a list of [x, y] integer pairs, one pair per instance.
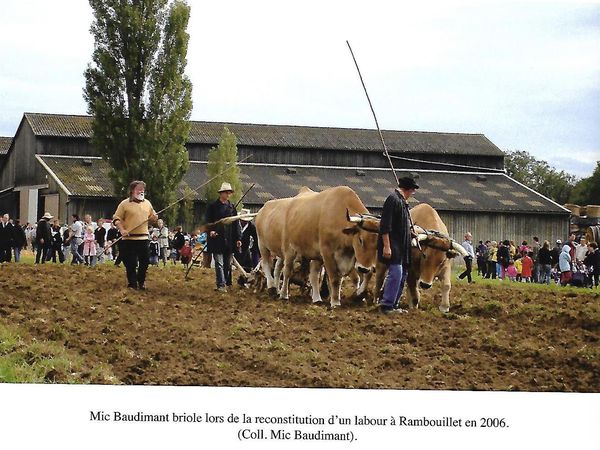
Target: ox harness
{"points": [[417, 229]]}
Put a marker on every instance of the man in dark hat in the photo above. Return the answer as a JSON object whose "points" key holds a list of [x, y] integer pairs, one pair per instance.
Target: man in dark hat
{"points": [[225, 239], [393, 245]]}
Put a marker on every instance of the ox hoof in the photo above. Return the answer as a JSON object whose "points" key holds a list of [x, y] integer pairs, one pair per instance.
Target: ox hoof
{"points": [[444, 309]]}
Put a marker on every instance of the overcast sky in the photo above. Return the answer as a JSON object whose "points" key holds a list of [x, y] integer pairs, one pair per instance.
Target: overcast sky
{"points": [[524, 74]]}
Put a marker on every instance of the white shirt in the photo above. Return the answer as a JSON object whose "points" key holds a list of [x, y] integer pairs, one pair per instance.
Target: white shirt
{"points": [[469, 248]]}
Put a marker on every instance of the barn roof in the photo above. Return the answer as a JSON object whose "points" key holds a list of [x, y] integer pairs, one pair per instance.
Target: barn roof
{"points": [[445, 191], [5, 144], [209, 133]]}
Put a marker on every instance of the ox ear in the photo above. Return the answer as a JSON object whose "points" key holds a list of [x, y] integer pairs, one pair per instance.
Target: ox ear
{"points": [[350, 230], [450, 254]]}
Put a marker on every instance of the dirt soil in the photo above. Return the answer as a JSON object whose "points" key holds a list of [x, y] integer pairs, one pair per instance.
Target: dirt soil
{"points": [[497, 336]]}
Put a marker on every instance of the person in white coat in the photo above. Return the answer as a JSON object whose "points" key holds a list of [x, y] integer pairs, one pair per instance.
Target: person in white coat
{"points": [[564, 265]]}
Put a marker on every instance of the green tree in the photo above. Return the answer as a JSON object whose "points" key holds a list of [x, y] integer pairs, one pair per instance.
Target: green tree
{"points": [[186, 209], [587, 191], [220, 158], [539, 176], [138, 94]]}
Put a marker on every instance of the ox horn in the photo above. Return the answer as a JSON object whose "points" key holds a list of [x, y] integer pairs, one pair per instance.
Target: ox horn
{"points": [[459, 248], [231, 219], [354, 218]]}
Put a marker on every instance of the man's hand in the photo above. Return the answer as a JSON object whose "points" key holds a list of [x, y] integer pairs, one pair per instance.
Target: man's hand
{"points": [[387, 252], [213, 234], [124, 233]]}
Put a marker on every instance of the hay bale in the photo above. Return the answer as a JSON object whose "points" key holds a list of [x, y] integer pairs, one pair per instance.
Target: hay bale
{"points": [[573, 208], [593, 210]]}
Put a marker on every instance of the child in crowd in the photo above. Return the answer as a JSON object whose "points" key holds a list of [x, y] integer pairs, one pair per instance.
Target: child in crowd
{"points": [[108, 250], [527, 267], [89, 247], [185, 253], [519, 267], [511, 271], [154, 250]]}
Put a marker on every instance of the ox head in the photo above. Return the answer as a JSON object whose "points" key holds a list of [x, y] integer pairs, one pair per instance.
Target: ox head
{"points": [[437, 251], [364, 231]]}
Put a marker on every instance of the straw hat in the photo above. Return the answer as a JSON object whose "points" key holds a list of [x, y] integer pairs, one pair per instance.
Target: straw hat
{"points": [[244, 212], [47, 216], [225, 186]]}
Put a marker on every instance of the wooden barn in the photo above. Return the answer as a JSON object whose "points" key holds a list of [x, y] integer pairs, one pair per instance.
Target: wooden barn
{"points": [[50, 165]]}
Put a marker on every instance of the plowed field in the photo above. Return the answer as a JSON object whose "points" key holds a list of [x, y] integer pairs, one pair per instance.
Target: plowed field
{"points": [[497, 336]]}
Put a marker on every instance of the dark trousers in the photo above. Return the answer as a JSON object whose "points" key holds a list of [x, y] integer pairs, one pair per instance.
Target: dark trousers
{"points": [[467, 272], [40, 254], [5, 253], [52, 252], [136, 257], [491, 270]]}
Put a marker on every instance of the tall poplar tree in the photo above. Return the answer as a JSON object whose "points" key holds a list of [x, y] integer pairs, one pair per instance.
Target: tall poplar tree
{"points": [[138, 94], [220, 158]]}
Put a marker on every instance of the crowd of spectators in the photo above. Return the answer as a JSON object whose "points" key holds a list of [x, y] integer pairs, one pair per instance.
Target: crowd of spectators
{"points": [[89, 242], [569, 263]]}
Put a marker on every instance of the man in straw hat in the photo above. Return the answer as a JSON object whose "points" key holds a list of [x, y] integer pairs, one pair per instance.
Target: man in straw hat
{"points": [[393, 246], [131, 218], [224, 239], [43, 238]]}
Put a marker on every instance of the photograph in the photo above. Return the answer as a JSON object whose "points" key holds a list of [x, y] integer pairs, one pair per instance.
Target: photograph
{"points": [[267, 224]]}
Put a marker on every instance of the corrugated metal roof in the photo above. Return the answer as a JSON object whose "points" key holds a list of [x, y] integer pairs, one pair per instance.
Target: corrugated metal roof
{"points": [[445, 191], [5, 144], [322, 138]]}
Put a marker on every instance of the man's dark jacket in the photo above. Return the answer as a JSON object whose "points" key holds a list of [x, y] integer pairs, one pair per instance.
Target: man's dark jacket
{"points": [[44, 232], [395, 221], [228, 235]]}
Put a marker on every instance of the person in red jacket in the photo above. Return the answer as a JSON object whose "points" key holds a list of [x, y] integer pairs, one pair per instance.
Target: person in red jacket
{"points": [[527, 266]]}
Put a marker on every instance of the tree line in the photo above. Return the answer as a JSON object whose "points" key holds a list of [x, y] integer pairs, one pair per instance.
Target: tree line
{"points": [[559, 186]]}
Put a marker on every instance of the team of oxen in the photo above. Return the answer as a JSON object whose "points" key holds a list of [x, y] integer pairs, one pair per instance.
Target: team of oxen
{"points": [[300, 236]]}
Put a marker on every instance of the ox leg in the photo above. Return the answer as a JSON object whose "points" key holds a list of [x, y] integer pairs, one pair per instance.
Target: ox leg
{"points": [[413, 291], [267, 267], [446, 286], [277, 274], [335, 282], [288, 267], [380, 273], [315, 282]]}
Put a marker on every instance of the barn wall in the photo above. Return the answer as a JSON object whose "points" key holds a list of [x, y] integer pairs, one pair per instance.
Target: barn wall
{"points": [[96, 207], [65, 146]]}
